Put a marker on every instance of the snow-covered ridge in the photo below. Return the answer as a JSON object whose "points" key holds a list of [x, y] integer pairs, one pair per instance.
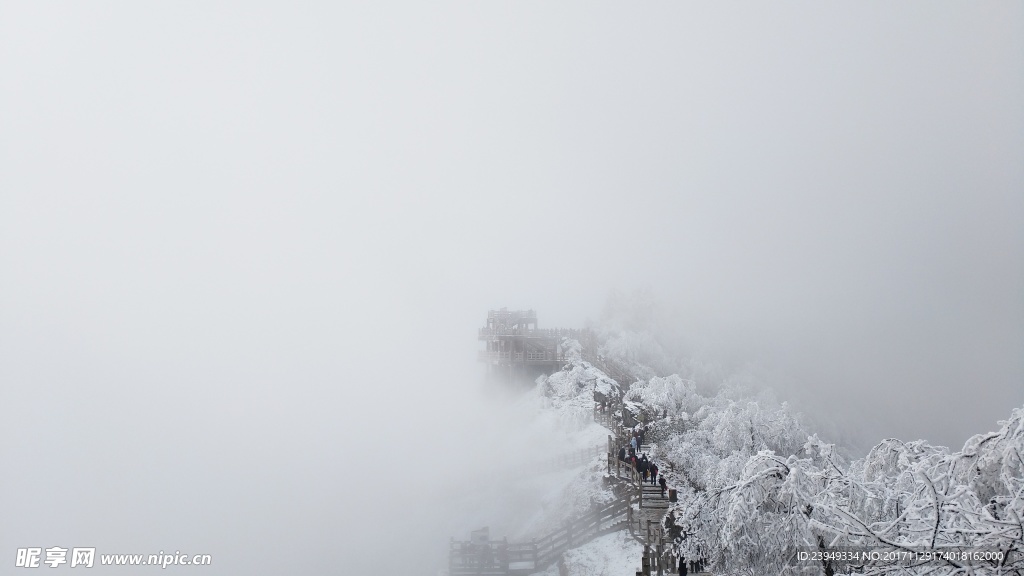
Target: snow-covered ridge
{"points": [[757, 486]]}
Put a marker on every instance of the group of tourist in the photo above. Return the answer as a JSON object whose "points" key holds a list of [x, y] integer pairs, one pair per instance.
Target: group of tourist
{"points": [[636, 439], [647, 469]]}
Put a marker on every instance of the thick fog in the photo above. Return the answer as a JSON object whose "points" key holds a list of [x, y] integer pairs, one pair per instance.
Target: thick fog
{"points": [[245, 247]]}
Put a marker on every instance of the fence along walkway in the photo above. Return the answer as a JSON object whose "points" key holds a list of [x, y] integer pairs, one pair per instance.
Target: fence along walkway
{"points": [[648, 495], [573, 458], [623, 379], [500, 558]]}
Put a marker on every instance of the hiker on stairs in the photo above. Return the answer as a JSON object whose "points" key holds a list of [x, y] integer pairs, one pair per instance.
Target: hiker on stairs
{"points": [[654, 472], [663, 484]]}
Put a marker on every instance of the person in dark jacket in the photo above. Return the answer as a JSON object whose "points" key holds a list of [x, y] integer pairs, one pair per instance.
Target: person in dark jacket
{"points": [[664, 485], [682, 566], [654, 472], [622, 453]]}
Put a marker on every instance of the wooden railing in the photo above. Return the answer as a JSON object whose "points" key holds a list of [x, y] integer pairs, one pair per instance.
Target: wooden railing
{"points": [[499, 557], [604, 417], [488, 333], [495, 356], [574, 458], [623, 470], [658, 558], [623, 379]]}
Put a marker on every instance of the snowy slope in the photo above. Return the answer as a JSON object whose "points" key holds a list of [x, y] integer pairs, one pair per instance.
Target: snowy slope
{"points": [[755, 484], [615, 554]]}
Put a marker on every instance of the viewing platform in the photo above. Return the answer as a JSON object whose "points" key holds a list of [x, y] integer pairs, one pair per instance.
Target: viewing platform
{"points": [[487, 333], [516, 349]]}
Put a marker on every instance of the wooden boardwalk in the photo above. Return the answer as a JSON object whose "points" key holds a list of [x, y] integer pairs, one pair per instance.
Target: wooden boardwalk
{"points": [[499, 557], [640, 509]]}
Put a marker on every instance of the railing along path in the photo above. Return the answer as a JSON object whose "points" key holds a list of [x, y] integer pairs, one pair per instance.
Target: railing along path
{"points": [[502, 558]]}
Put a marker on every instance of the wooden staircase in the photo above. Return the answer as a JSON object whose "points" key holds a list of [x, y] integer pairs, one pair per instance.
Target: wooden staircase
{"points": [[640, 510]]}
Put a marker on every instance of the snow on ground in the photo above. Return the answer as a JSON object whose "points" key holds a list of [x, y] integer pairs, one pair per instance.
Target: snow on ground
{"points": [[614, 554], [755, 484], [568, 395], [736, 456]]}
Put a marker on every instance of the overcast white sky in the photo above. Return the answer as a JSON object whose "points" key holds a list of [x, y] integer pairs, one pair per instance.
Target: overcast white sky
{"points": [[244, 247]]}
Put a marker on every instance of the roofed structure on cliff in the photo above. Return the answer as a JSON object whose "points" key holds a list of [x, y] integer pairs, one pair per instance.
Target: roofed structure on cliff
{"points": [[517, 348]]}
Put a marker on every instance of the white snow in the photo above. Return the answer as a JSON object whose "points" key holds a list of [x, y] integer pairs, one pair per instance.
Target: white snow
{"points": [[610, 555], [754, 484]]}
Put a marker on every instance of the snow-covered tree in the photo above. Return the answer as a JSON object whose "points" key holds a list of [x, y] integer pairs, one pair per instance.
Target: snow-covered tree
{"points": [[756, 488], [910, 499]]}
